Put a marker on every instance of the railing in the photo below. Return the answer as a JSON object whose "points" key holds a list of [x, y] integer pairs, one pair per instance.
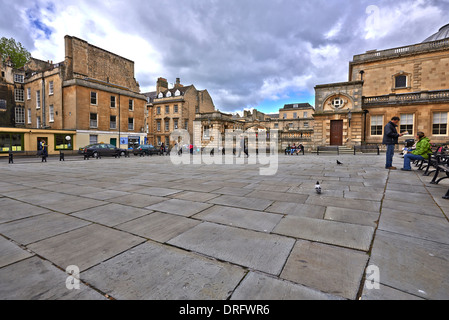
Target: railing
{"points": [[422, 47], [414, 97]]}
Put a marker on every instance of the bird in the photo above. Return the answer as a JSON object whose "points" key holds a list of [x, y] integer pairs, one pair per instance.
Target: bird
{"points": [[339, 163], [318, 187]]}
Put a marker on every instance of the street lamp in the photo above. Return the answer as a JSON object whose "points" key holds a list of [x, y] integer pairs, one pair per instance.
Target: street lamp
{"points": [[349, 117]]}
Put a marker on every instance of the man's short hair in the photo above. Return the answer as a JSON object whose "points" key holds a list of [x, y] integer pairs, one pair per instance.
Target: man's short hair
{"points": [[395, 119]]}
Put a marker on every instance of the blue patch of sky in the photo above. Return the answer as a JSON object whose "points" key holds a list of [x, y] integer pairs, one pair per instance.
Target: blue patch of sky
{"points": [[33, 14], [273, 106]]}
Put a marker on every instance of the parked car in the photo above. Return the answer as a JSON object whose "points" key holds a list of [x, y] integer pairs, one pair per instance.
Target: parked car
{"points": [[103, 150], [146, 149]]}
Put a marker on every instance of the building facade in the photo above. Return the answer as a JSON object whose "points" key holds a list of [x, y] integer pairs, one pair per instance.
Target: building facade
{"points": [[411, 82], [90, 97], [174, 108]]}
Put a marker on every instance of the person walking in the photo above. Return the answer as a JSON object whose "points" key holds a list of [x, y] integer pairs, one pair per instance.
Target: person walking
{"points": [[390, 139], [423, 148]]}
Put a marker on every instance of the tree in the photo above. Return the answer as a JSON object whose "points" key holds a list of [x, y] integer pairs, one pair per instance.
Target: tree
{"points": [[18, 54]]}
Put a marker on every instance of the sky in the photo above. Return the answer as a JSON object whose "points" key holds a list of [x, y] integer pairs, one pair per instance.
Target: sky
{"points": [[247, 54]]}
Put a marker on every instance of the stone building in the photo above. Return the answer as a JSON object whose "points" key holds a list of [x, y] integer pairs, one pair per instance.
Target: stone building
{"points": [[174, 108], [411, 82], [92, 96]]}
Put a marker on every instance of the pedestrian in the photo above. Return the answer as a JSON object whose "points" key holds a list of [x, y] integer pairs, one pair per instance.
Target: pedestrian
{"points": [[162, 148], [390, 139], [44, 151], [423, 148], [39, 148]]}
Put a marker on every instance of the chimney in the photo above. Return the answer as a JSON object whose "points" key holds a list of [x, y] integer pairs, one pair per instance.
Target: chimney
{"points": [[178, 83], [161, 85]]}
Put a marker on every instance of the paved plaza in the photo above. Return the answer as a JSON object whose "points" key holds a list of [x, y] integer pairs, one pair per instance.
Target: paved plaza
{"points": [[144, 228]]}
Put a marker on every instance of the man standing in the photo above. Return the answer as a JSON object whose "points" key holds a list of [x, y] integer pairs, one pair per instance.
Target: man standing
{"points": [[390, 139]]}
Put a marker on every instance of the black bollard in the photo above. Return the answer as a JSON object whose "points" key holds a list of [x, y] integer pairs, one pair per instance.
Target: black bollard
{"points": [[61, 156], [11, 158]]}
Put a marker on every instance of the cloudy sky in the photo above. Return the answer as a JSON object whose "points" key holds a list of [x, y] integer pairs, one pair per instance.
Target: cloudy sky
{"points": [[247, 53]]}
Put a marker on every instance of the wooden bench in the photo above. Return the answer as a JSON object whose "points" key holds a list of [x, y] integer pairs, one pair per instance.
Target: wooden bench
{"points": [[367, 148]]}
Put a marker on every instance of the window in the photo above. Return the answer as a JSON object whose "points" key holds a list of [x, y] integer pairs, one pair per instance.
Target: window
{"points": [[159, 141], [113, 122], [177, 93], [440, 123], [158, 110], [93, 139], [131, 105], [186, 124], [18, 78], [160, 95], [401, 81], [62, 143], [50, 88], [20, 115], [158, 126], [167, 125], [407, 123], [11, 142], [167, 141], [112, 101], [130, 124], [175, 108], [18, 95], [295, 106], [295, 115], [38, 99], [338, 103], [38, 122], [305, 114], [28, 93], [29, 115], [376, 125], [167, 109], [175, 123], [306, 124], [285, 116], [276, 125], [2, 104], [51, 114], [93, 120], [93, 98], [168, 94]]}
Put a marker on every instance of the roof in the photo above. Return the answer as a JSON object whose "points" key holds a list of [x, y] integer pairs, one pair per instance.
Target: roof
{"points": [[295, 106], [443, 33]]}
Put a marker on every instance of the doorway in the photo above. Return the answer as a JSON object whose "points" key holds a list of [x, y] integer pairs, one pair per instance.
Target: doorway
{"points": [[336, 133]]}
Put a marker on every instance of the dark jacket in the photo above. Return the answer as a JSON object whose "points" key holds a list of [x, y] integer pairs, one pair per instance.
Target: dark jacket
{"points": [[391, 135]]}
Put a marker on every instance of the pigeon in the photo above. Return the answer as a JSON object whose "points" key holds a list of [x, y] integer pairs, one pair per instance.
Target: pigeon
{"points": [[339, 163], [318, 187]]}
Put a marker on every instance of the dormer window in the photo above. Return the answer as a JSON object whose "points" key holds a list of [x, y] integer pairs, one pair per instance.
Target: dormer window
{"points": [[160, 95], [168, 94], [177, 93]]}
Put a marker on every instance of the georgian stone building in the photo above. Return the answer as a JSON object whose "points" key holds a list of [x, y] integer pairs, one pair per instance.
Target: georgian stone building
{"points": [[411, 82], [175, 108], [92, 96]]}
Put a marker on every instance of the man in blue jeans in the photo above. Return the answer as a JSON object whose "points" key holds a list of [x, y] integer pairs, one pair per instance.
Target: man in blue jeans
{"points": [[390, 139]]}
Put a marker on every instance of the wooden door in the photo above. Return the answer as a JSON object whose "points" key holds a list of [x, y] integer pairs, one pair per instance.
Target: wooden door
{"points": [[336, 132]]}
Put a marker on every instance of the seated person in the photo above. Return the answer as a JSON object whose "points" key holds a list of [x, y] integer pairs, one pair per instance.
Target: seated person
{"points": [[423, 148]]}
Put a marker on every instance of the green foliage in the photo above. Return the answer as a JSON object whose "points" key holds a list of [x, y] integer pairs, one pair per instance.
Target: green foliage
{"points": [[18, 54]]}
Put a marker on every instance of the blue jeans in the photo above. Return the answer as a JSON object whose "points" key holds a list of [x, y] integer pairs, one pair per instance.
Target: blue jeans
{"points": [[390, 154], [410, 157]]}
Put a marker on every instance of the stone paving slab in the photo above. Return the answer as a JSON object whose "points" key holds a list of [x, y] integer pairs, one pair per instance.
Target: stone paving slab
{"points": [[295, 209], [331, 232], [365, 205], [248, 219], [10, 253], [180, 207], [257, 287], [40, 227], [137, 200], [278, 196], [37, 279], [242, 202], [138, 274], [155, 191], [427, 208], [333, 270], [194, 196], [415, 225], [85, 247], [386, 293], [255, 250], [416, 266], [366, 218], [111, 214], [159, 226], [14, 210]]}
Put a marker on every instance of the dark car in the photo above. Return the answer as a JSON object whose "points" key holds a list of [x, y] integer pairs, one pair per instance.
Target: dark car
{"points": [[102, 150], [146, 149]]}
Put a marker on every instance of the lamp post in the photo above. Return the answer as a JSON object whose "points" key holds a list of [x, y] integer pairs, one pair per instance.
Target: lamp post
{"points": [[349, 118]]}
